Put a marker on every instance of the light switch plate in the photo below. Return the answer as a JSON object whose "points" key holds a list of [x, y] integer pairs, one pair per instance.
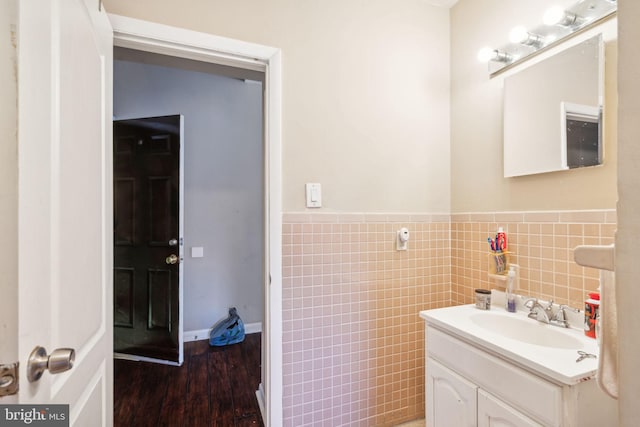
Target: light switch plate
{"points": [[314, 195]]}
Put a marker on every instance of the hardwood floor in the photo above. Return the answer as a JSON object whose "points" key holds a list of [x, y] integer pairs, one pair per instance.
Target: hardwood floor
{"points": [[214, 387]]}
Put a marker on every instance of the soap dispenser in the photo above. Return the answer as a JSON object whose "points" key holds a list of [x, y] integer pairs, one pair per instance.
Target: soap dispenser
{"points": [[511, 286]]}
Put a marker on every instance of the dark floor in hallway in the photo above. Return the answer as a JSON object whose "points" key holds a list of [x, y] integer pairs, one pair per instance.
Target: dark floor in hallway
{"points": [[215, 386]]}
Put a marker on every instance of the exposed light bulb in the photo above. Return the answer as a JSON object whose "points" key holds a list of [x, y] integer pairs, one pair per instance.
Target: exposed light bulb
{"points": [[553, 15], [556, 15], [518, 34], [485, 54]]}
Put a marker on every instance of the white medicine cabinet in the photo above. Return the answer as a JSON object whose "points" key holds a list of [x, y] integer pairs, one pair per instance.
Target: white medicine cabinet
{"points": [[553, 112]]}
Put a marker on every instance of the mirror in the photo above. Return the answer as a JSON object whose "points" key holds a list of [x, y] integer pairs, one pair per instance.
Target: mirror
{"points": [[553, 112]]}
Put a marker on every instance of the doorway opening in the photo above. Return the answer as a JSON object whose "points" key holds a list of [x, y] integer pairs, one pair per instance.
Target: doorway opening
{"points": [[174, 42], [203, 192], [222, 213]]}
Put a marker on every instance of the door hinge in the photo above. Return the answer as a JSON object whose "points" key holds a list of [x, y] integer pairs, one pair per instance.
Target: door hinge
{"points": [[9, 381]]}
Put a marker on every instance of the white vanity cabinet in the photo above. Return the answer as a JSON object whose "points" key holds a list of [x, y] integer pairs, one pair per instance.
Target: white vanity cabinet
{"points": [[493, 412], [452, 399], [469, 383]]}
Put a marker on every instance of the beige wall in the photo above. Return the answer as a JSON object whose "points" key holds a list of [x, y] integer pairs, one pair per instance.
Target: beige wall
{"points": [[477, 182], [8, 185], [365, 93]]}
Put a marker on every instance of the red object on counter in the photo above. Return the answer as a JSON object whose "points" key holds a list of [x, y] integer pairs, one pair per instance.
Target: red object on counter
{"points": [[591, 314]]}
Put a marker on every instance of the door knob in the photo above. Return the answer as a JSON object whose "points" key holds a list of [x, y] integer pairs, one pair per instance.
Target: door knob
{"points": [[173, 242], [60, 360], [171, 259]]}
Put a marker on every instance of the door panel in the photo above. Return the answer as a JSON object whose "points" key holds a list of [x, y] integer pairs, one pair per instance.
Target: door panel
{"points": [[451, 399], [147, 191], [123, 296], [125, 188], [65, 202], [163, 226], [160, 284], [495, 413]]}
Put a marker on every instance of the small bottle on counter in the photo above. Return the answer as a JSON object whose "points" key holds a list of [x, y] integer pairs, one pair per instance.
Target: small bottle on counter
{"points": [[483, 299], [511, 287], [591, 309]]}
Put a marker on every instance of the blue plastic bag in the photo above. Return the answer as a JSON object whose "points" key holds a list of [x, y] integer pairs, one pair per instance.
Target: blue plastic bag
{"points": [[227, 331]]}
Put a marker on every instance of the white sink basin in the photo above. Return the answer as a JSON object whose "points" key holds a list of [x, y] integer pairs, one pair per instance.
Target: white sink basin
{"points": [[548, 350], [526, 330]]}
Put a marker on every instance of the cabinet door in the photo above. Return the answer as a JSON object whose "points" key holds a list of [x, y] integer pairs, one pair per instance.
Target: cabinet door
{"points": [[495, 413], [451, 399]]}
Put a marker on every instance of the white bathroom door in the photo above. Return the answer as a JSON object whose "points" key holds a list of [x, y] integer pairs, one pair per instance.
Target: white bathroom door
{"points": [[65, 203]]}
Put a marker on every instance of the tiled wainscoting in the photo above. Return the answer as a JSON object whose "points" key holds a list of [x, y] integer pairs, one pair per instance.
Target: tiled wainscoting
{"points": [[353, 342], [541, 243]]}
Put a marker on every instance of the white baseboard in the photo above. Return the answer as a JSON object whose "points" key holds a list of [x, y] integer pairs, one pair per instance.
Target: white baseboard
{"points": [[203, 334], [261, 402], [135, 358], [253, 328]]}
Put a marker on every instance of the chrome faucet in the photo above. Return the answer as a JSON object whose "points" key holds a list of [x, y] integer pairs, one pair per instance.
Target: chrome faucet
{"points": [[537, 311], [560, 318]]}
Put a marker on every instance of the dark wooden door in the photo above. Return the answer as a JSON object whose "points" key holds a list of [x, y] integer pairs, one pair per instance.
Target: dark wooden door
{"points": [[146, 237]]}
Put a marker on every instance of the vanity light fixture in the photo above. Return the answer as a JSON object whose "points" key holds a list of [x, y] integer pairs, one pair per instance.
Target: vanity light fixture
{"points": [[559, 23], [520, 35], [487, 54], [556, 15]]}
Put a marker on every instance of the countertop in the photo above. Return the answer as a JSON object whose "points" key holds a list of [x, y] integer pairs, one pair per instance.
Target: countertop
{"points": [[554, 363]]}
